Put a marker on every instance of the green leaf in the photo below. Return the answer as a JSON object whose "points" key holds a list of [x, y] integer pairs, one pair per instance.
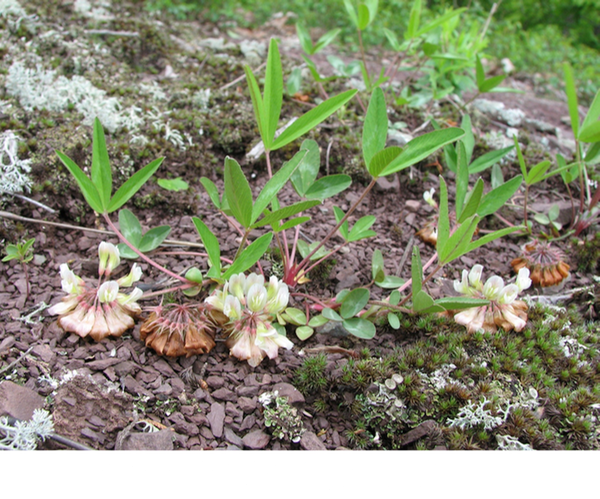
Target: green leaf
{"points": [[472, 202], [331, 315], [308, 168], [312, 118], [211, 244], [354, 302], [360, 328], [439, 20], [460, 303], [421, 147], [361, 227], [488, 159], [496, 178], [294, 316], [491, 83], [468, 140], [175, 184], [488, 238], [212, 191], [273, 96], [351, 12], [414, 20], [375, 127], [101, 171], [459, 241], [88, 189], [130, 227], [422, 301], [249, 256], [393, 321], [382, 159], [274, 185], [462, 177], [590, 133], [377, 270], [390, 282], [537, 172], [520, 156], [132, 185], [443, 218], [571, 98], [593, 112], [326, 39], [339, 214], [328, 186], [304, 37], [305, 249], [257, 103], [498, 197], [194, 275], [285, 212], [479, 73], [304, 332], [238, 193], [153, 238], [593, 153], [393, 39], [318, 321], [394, 297], [416, 270]]}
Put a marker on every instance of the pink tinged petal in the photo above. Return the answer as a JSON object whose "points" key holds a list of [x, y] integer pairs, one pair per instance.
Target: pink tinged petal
{"points": [[242, 348], [100, 329], [217, 299], [109, 258], [117, 320], [472, 318], [79, 322], [515, 320], [493, 287], [67, 304]]}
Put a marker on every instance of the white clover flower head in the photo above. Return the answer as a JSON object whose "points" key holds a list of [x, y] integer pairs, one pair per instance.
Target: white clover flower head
{"points": [[503, 310], [109, 258], [251, 306]]}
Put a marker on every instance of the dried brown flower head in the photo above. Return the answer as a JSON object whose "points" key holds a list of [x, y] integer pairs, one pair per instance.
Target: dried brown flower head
{"points": [[545, 263], [175, 330]]}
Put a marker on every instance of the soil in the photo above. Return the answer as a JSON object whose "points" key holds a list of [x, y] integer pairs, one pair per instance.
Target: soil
{"points": [[211, 401]]}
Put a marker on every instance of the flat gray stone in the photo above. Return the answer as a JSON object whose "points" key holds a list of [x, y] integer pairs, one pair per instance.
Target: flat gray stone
{"points": [[224, 394], [256, 439], [310, 441], [157, 440], [18, 401], [291, 392], [216, 417]]}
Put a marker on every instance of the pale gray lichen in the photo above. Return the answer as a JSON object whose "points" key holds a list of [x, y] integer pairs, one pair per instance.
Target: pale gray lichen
{"points": [[281, 417], [14, 172], [36, 88], [472, 415], [25, 435], [506, 442]]}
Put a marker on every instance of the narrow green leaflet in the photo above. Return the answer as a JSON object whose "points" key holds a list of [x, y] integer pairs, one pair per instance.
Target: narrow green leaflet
{"points": [[290, 224], [414, 20], [101, 172], [375, 128], [393, 39], [377, 270], [536, 173], [443, 218], [488, 159], [439, 20], [173, 184], [382, 159], [390, 282], [238, 193], [154, 238], [488, 238], [326, 39], [590, 133], [212, 191], [305, 249], [257, 103], [304, 37], [312, 118], [88, 189], [285, 212], [130, 227], [462, 177], [273, 96], [460, 302], [472, 202], [360, 230], [351, 12], [459, 241], [249, 256], [499, 196], [132, 185], [468, 140], [571, 98], [421, 147], [308, 168], [328, 186], [339, 214], [211, 243], [274, 185], [416, 270]]}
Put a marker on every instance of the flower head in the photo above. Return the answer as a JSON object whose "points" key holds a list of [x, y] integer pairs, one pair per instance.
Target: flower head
{"points": [[428, 197], [99, 311], [174, 330], [248, 308], [503, 310], [545, 263]]}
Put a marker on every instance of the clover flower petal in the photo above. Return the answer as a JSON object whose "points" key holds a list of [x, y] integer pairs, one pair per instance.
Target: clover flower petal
{"points": [[523, 280], [493, 287], [256, 298], [109, 258], [108, 292], [134, 276], [475, 276], [71, 283]]}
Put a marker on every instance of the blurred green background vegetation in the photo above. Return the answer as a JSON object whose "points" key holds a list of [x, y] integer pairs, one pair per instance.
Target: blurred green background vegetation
{"points": [[536, 35]]}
